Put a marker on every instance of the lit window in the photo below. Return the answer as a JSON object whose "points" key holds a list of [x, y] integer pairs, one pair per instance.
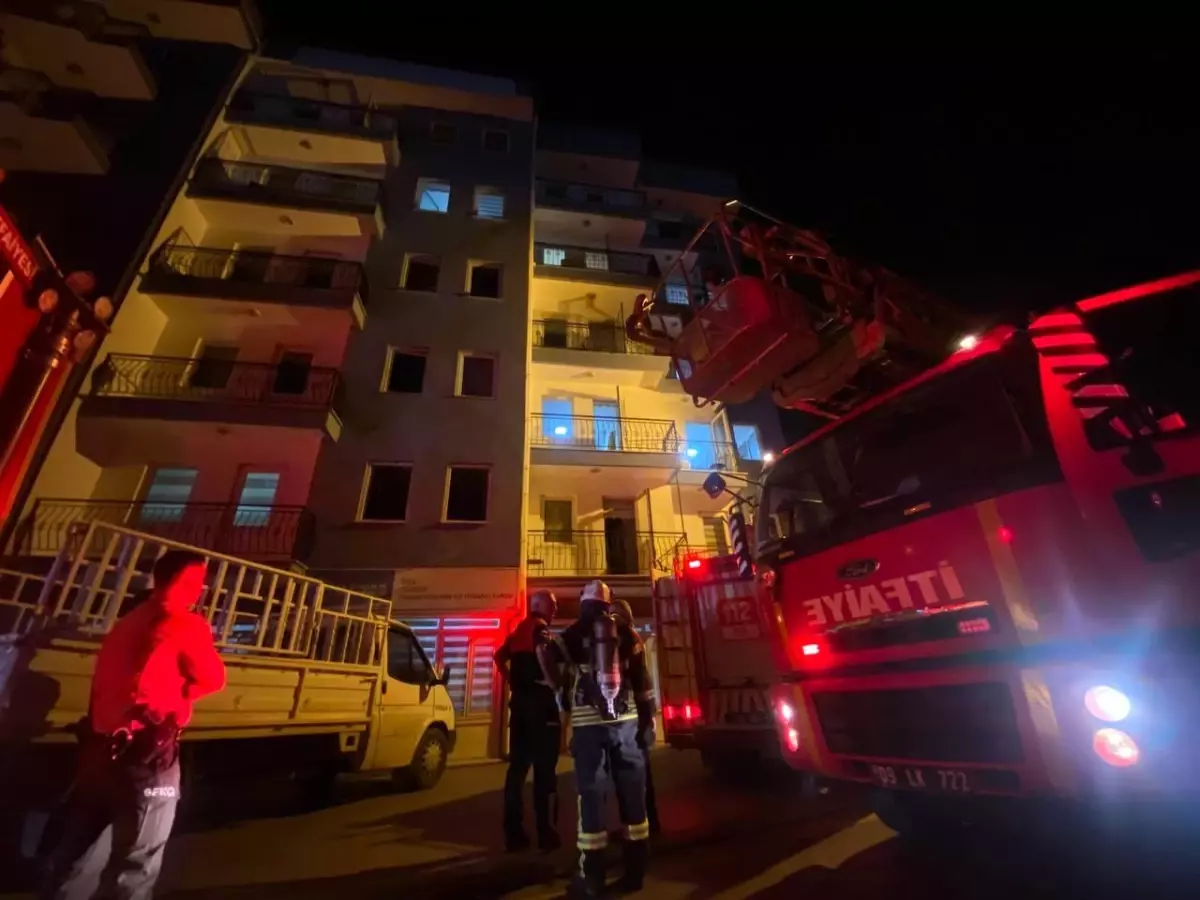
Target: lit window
{"points": [[746, 439], [596, 261], [256, 499], [556, 419], [485, 280], [385, 493], [495, 141], [405, 372], [677, 293], [489, 203], [433, 195], [467, 494], [442, 133], [553, 256], [476, 376], [168, 494], [420, 272]]}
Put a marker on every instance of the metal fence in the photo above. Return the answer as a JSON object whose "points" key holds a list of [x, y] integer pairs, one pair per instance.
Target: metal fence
{"points": [[213, 380], [319, 115], [708, 455], [598, 337], [620, 435], [590, 197], [250, 531], [280, 184], [582, 553], [254, 267], [595, 260]]}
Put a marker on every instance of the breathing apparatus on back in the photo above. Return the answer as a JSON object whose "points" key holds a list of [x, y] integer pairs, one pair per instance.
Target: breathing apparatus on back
{"points": [[601, 674]]}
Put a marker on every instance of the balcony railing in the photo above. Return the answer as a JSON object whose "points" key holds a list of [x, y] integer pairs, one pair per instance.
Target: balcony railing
{"points": [[584, 553], [209, 380], [257, 183], [315, 115], [253, 532], [598, 337], [619, 435], [596, 262], [203, 270], [589, 197], [703, 456]]}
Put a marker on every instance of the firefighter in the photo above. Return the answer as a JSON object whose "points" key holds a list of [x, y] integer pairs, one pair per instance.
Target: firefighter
{"points": [[607, 688], [624, 614], [154, 664], [534, 726]]}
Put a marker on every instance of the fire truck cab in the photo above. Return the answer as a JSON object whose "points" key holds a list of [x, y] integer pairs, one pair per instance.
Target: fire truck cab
{"points": [[983, 583]]}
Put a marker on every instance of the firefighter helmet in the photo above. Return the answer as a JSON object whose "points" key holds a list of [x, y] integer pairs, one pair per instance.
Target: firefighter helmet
{"points": [[543, 604], [595, 598]]}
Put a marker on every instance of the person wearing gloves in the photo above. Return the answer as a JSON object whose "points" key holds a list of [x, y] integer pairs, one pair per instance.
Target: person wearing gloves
{"points": [[624, 615]]}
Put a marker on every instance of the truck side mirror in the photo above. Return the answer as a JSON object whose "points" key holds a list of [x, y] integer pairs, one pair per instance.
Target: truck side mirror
{"points": [[444, 678]]}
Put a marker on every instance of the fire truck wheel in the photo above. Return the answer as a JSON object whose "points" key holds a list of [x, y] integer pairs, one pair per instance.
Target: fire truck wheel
{"points": [[429, 762], [917, 817]]}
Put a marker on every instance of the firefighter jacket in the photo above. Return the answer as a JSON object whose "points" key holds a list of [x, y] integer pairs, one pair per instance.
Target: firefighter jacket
{"points": [[530, 690], [636, 698]]}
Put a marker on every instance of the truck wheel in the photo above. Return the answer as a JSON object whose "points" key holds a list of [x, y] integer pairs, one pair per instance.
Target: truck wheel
{"points": [[429, 762]]}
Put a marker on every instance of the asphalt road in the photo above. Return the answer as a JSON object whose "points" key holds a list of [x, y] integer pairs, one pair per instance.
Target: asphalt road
{"points": [[766, 838]]}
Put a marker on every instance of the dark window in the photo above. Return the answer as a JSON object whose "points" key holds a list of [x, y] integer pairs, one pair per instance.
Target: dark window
{"points": [[387, 493], [467, 497], [485, 280], [291, 374], [670, 230], [214, 367], [406, 374], [560, 522], [442, 133], [421, 273], [496, 141], [406, 662], [478, 377]]}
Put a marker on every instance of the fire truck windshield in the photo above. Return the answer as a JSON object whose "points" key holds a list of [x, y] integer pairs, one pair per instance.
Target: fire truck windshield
{"points": [[975, 432]]}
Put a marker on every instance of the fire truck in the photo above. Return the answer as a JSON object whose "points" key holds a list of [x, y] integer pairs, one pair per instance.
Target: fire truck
{"points": [[715, 670], [981, 582]]}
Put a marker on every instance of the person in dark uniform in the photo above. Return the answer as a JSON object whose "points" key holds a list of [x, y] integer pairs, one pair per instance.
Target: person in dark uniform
{"points": [[608, 690], [624, 614], [153, 665], [534, 726]]}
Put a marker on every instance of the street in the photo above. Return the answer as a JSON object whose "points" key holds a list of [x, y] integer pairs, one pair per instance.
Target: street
{"points": [[764, 839]]}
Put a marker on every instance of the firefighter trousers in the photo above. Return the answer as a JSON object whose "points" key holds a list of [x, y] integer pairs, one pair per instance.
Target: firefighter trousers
{"points": [[533, 742], [606, 757]]}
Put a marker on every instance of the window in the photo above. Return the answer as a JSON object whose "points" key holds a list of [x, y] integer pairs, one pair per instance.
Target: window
{"points": [[596, 260], [291, 372], [255, 500], [443, 133], [489, 203], [467, 494], [214, 367], [557, 420], [559, 520], [476, 376], [486, 280], [606, 416], [553, 256], [746, 439], [420, 272], [385, 495], [167, 495], [433, 195], [406, 662], [495, 141], [677, 293], [405, 372], [699, 447]]}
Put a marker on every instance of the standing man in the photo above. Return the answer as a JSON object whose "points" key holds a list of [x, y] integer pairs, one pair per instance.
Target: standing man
{"points": [[609, 691], [623, 613], [154, 664], [534, 726]]}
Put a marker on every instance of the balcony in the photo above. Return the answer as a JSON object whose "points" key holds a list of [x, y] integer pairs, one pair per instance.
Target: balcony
{"points": [[179, 270], [213, 21], [260, 533], [596, 554], [249, 401], [280, 200], [588, 337], [569, 212], [602, 441], [670, 234], [594, 264]]}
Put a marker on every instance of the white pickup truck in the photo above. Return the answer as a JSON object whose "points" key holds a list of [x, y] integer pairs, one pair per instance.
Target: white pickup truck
{"points": [[321, 680]]}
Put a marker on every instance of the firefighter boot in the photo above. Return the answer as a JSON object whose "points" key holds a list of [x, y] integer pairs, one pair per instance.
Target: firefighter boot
{"points": [[588, 883], [634, 855]]}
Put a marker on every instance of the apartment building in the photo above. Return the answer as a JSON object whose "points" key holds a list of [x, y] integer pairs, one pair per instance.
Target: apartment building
{"points": [[618, 452]]}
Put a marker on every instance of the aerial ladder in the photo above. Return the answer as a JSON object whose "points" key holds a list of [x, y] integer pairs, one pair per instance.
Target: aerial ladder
{"points": [[773, 307]]}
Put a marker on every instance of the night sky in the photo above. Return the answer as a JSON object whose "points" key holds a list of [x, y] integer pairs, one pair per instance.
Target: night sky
{"points": [[1009, 177]]}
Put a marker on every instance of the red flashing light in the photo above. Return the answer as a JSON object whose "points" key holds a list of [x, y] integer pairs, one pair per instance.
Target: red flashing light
{"points": [[1116, 748], [974, 626], [688, 712], [1005, 534], [810, 649], [691, 712], [694, 564]]}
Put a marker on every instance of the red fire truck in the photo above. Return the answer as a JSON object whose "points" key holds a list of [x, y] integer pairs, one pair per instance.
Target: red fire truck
{"points": [[715, 670], [982, 582]]}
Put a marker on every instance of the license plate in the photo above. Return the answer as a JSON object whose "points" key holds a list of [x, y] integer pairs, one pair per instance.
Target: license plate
{"points": [[922, 778]]}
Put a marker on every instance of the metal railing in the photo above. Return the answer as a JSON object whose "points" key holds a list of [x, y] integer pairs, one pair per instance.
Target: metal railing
{"points": [[582, 553], [254, 532], [708, 455], [251, 267], [253, 609], [589, 197], [598, 337], [596, 260], [277, 109], [211, 380], [280, 184], [619, 435]]}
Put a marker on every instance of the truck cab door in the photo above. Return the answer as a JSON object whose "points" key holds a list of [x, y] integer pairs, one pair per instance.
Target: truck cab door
{"points": [[406, 704]]}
